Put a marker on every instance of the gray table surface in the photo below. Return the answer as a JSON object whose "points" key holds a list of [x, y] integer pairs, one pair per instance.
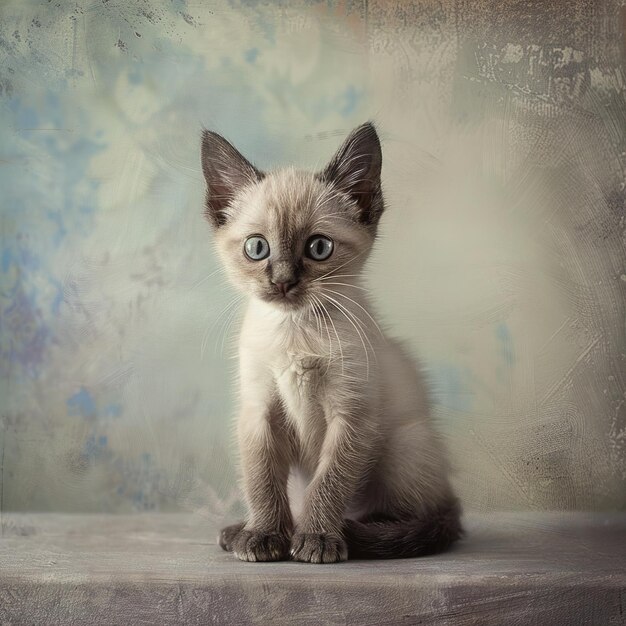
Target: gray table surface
{"points": [[512, 568]]}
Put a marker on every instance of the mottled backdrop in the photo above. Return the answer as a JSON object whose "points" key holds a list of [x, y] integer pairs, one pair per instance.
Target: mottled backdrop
{"points": [[501, 258]]}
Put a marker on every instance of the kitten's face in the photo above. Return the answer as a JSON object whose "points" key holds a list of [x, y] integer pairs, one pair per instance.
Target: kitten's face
{"points": [[291, 234], [286, 235]]}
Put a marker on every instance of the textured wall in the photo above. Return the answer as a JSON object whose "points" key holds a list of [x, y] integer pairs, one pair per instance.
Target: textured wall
{"points": [[501, 258]]}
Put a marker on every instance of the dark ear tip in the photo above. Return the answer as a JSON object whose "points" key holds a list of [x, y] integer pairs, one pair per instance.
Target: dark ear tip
{"points": [[369, 128], [209, 135], [368, 134], [205, 139]]}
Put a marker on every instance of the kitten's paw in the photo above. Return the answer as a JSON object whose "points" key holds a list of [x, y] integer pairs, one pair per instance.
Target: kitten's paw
{"points": [[254, 545], [227, 536], [318, 548]]}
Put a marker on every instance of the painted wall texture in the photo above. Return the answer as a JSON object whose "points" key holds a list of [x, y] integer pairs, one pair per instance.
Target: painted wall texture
{"points": [[501, 257]]}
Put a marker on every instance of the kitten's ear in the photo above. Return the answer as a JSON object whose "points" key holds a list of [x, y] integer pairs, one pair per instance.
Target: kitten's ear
{"points": [[355, 169], [226, 171]]}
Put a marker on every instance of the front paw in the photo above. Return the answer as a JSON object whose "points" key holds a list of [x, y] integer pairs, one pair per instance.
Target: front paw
{"points": [[254, 545], [318, 548], [227, 536]]}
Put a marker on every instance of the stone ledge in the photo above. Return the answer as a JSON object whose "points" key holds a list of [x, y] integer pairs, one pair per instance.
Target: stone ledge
{"points": [[530, 568]]}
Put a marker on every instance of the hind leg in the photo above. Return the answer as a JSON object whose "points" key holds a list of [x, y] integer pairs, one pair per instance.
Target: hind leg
{"points": [[413, 474], [227, 536]]}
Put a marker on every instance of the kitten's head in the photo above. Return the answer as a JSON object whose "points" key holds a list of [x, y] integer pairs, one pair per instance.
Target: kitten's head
{"points": [[286, 234]]}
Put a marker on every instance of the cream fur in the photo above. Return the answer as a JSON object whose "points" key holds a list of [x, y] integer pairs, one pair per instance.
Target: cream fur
{"points": [[326, 397]]}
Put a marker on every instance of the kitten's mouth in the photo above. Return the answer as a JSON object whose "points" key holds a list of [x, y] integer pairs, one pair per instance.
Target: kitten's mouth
{"points": [[291, 298]]}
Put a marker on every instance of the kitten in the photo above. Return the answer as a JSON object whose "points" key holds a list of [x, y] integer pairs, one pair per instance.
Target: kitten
{"points": [[325, 395]]}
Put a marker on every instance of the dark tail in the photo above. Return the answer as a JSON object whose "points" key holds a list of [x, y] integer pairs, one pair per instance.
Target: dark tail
{"points": [[407, 537]]}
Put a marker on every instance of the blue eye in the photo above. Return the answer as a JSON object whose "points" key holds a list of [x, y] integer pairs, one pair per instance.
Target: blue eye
{"points": [[319, 248], [256, 248]]}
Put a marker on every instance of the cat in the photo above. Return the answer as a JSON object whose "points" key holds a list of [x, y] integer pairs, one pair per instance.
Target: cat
{"points": [[326, 397]]}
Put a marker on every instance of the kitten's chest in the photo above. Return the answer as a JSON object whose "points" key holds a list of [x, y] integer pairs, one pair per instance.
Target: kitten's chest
{"points": [[299, 382], [298, 367], [298, 363]]}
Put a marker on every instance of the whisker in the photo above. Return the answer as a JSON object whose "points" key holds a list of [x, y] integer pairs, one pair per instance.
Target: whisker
{"points": [[319, 314], [323, 317], [325, 282], [356, 256], [360, 307], [203, 280], [330, 319], [227, 327], [317, 319], [227, 309], [361, 324], [344, 312]]}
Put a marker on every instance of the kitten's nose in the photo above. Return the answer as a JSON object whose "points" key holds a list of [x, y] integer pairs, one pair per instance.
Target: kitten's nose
{"points": [[285, 287]]}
